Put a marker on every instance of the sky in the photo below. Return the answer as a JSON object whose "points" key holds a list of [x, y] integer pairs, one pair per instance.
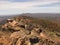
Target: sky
{"points": [[9, 7]]}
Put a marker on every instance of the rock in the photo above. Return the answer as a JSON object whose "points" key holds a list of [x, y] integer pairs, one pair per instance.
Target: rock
{"points": [[4, 40], [27, 43], [13, 41], [34, 40], [18, 42], [34, 33], [17, 34]]}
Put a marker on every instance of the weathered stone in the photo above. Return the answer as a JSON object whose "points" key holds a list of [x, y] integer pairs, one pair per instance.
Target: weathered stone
{"points": [[4, 40]]}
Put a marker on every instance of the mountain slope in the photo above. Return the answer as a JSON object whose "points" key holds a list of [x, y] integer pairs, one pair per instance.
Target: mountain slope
{"points": [[25, 30]]}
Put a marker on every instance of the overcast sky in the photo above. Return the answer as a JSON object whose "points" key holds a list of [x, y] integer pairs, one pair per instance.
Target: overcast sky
{"points": [[8, 7]]}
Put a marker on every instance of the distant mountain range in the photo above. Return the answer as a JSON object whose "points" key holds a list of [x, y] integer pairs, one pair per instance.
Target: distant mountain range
{"points": [[36, 14], [50, 16], [42, 14]]}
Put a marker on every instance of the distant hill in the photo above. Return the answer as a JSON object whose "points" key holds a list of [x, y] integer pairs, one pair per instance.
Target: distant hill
{"points": [[38, 15], [42, 14], [48, 16]]}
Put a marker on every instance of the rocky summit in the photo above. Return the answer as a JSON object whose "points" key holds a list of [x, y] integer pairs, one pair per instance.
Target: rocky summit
{"points": [[22, 31]]}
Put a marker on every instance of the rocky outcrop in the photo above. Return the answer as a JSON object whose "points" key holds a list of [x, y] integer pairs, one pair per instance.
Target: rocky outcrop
{"points": [[23, 32]]}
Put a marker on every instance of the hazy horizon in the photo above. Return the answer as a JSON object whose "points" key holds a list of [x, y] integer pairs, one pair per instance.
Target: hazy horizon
{"points": [[34, 14]]}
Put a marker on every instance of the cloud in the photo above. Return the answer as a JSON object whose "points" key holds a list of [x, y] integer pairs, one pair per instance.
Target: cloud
{"points": [[31, 0], [22, 5], [31, 10], [10, 7], [49, 5]]}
